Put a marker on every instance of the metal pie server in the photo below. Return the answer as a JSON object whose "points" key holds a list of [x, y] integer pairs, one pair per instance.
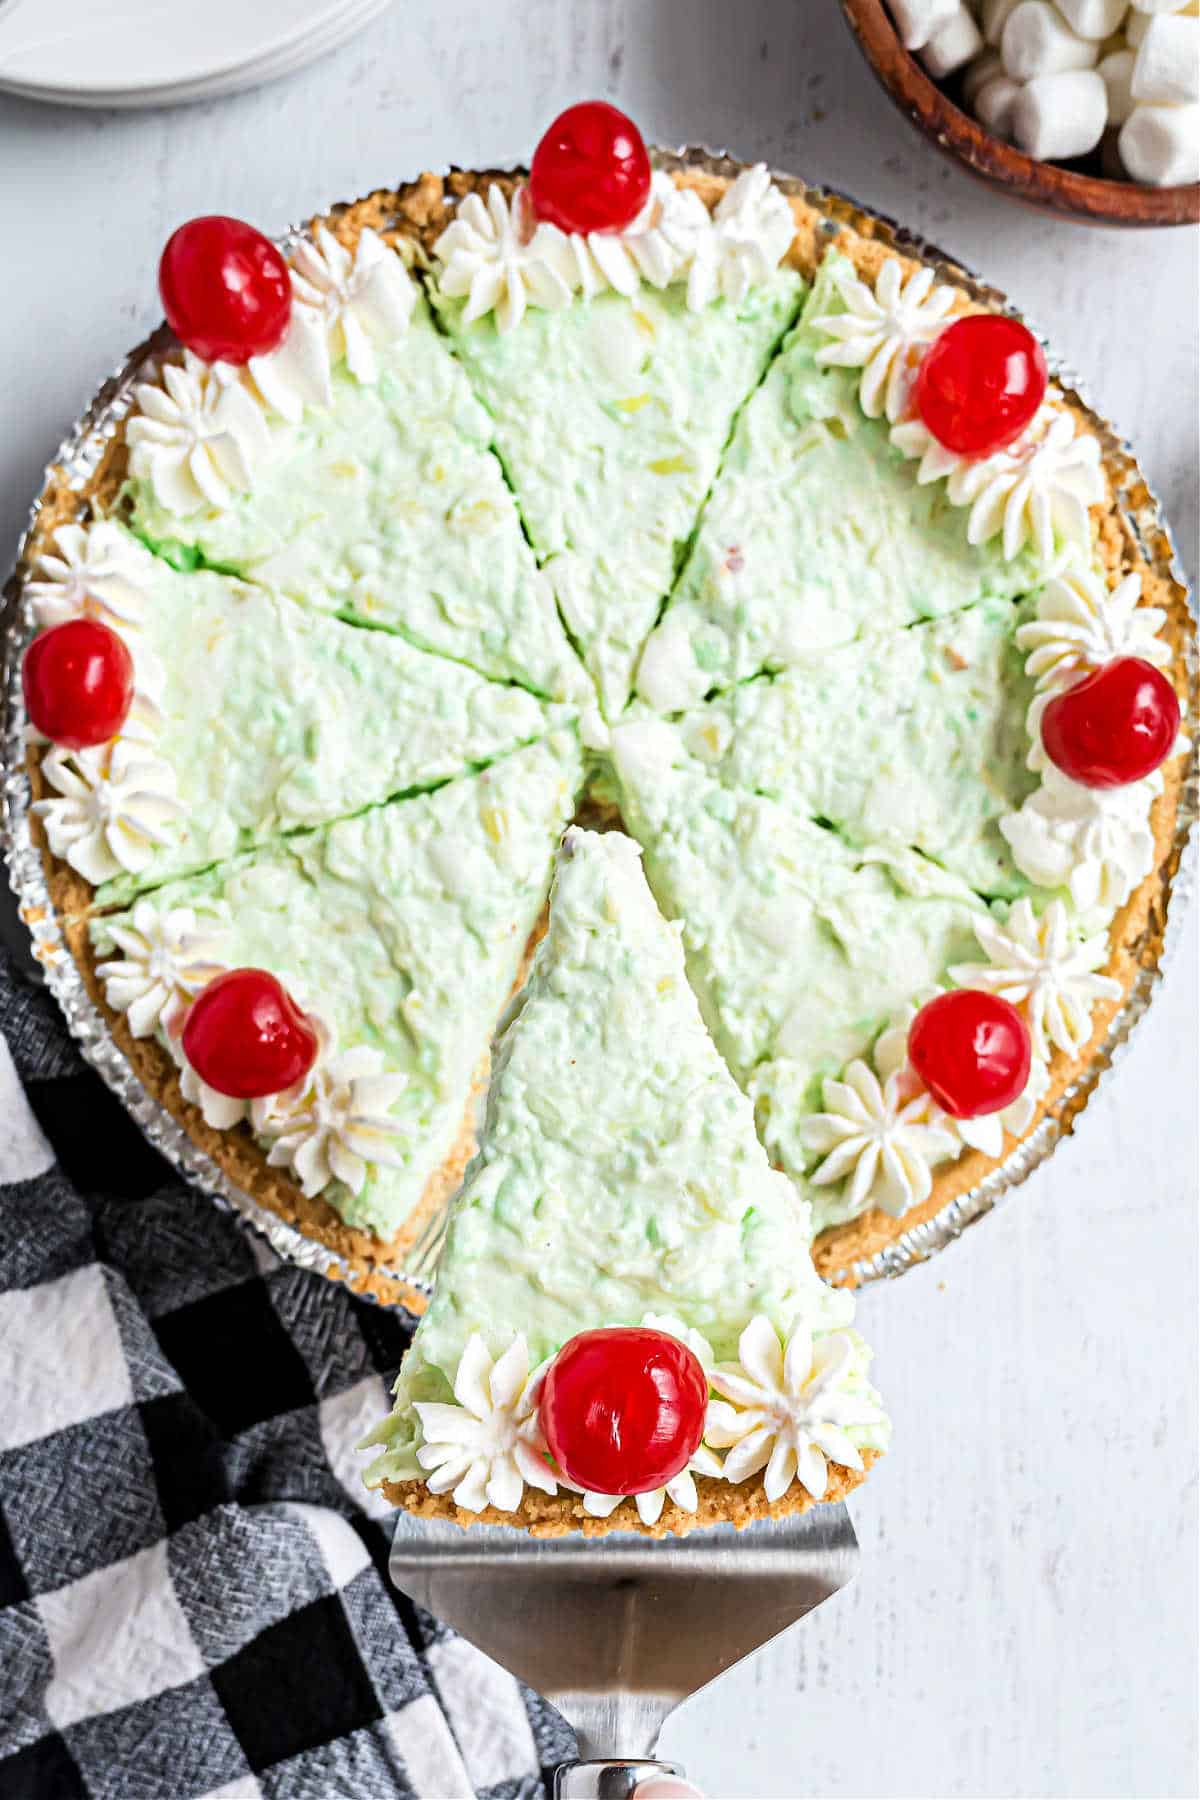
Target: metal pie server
{"points": [[617, 1634]]}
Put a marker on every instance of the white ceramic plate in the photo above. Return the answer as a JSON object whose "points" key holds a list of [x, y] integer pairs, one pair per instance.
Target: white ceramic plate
{"points": [[162, 52]]}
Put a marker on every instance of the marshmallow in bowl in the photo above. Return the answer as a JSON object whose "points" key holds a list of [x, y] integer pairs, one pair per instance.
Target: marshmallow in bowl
{"points": [[1013, 58], [917, 20], [952, 45], [1160, 145], [1167, 70], [994, 104], [1060, 115], [1038, 41]]}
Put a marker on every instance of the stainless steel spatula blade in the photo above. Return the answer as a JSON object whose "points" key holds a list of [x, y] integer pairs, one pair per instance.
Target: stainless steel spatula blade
{"points": [[617, 1634]]}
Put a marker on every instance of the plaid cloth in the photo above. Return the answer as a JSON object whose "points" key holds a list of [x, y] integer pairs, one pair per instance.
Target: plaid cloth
{"points": [[193, 1582]]}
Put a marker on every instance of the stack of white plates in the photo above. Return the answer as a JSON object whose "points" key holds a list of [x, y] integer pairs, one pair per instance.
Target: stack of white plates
{"points": [[159, 52]]}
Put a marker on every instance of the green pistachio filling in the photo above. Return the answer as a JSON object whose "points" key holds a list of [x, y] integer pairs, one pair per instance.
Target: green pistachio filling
{"points": [[801, 947], [388, 506], [904, 739], [617, 492], [610, 417], [816, 532], [618, 1171], [275, 718], [403, 929]]}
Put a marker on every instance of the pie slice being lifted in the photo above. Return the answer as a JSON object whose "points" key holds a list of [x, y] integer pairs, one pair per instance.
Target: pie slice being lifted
{"points": [[619, 1183]]}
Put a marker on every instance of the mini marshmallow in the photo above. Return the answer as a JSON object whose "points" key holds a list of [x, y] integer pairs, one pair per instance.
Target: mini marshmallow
{"points": [[1060, 115], [1116, 72], [1158, 6], [1093, 18], [994, 104], [985, 68], [1037, 41], [1167, 70], [952, 45], [1160, 145], [995, 17], [917, 20]]}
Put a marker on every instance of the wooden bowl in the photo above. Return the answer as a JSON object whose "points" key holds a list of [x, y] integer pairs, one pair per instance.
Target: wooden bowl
{"points": [[1049, 186]]}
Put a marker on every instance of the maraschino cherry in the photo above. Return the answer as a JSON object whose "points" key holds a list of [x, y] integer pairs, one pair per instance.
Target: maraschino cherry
{"points": [[980, 383], [225, 289], [623, 1409], [1115, 726], [246, 1037], [972, 1051], [78, 682], [591, 171]]}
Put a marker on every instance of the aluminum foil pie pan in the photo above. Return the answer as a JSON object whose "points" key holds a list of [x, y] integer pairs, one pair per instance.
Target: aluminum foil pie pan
{"points": [[74, 464]]}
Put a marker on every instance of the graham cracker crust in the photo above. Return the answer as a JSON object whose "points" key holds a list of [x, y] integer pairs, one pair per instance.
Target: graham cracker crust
{"points": [[412, 217], [720, 1503]]}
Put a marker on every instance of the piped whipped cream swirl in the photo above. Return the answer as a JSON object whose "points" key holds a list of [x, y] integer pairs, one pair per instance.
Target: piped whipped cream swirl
{"points": [[345, 307], [1036, 492], [202, 434], [882, 332], [501, 259], [165, 959], [788, 1408], [488, 1446], [200, 438], [113, 807]]}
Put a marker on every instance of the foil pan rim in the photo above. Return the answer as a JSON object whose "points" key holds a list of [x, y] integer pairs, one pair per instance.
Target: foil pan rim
{"points": [[77, 457]]}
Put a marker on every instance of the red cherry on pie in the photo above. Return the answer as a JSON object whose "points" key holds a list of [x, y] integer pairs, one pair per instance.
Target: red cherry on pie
{"points": [[980, 383], [1115, 726], [225, 289], [591, 171], [78, 683], [972, 1052], [623, 1409], [245, 1036]]}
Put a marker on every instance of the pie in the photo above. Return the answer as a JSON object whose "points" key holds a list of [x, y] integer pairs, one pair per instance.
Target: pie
{"points": [[648, 525]]}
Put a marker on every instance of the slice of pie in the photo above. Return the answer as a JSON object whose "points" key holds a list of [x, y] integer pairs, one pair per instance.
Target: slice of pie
{"points": [[619, 1183], [351, 470], [401, 932], [255, 717], [611, 412], [802, 947], [902, 740], [820, 527]]}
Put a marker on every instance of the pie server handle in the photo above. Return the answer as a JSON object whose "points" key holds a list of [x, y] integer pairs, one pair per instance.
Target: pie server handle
{"points": [[609, 1779]]}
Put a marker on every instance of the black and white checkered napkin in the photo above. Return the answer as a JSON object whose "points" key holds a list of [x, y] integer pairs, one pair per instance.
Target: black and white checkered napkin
{"points": [[193, 1588]]}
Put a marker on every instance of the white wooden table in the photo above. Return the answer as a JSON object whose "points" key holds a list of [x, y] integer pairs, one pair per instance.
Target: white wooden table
{"points": [[1024, 1620]]}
